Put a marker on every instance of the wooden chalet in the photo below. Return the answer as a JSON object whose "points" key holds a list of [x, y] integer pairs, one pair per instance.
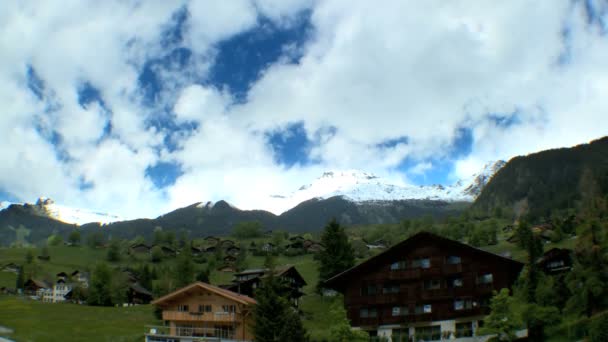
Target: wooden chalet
{"points": [[267, 247], [137, 294], [426, 286], [233, 250], [201, 311], [229, 259], [196, 251], [33, 286], [11, 267], [141, 248], [226, 244], [212, 240], [247, 281], [315, 247], [227, 268], [556, 261]]}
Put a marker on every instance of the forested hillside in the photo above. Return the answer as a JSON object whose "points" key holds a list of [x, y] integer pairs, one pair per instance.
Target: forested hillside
{"points": [[541, 183]]}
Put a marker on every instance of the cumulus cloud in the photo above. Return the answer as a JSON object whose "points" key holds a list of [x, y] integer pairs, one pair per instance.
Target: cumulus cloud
{"points": [[374, 86]]}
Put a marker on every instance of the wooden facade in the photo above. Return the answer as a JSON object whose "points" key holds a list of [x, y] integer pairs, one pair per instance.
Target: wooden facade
{"points": [[203, 310], [423, 279]]}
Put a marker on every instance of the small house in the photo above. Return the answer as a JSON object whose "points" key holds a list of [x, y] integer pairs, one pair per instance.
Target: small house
{"points": [[11, 267], [556, 260], [227, 268], [139, 248], [229, 259], [233, 250]]}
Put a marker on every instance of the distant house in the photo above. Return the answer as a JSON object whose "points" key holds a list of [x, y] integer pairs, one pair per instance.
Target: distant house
{"points": [[508, 228], [82, 278], [201, 311], [167, 251], [378, 244], [210, 250], [247, 281], [137, 294], [33, 286], [267, 247], [196, 251], [225, 244], [315, 247], [227, 268], [11, 267], [296, 238], [211, 240], [556, 260], [233, 250], [62, 276], [229, 259], [253, 247], [139, 248], [59, 291]]}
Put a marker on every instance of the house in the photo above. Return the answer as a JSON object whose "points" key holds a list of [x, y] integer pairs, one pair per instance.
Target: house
{"points": [[226, 244], [82, 278], [211, 240], [32, 287], [378, 244], [11, 267], [247, 281], [203, 311], [229, 259], [210, 250], [59, 291], [296, 238], [137, 294], [267, 247], [556, 260], [426, 286], [315, 247], [62, 275], [139, 248], [227, 268], [233, 250], [196, 251]]}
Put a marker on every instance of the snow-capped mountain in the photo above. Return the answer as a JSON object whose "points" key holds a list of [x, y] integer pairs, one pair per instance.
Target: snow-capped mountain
{"points": [[74, 215], [47, 207], [359, 186]]}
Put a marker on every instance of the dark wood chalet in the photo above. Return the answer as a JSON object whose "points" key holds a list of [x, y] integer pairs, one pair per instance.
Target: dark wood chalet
{"points": [[556, 260], [426, 286], [247, 281]]}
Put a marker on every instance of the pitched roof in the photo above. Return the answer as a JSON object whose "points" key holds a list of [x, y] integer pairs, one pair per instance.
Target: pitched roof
{"points": [[412, 242], [217, 290]]}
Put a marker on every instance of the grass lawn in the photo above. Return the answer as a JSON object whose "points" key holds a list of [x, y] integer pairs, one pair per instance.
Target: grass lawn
{"points": [[36, 321]]}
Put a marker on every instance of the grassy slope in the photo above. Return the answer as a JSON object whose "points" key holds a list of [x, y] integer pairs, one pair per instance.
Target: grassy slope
{"points": [[35, 321]]}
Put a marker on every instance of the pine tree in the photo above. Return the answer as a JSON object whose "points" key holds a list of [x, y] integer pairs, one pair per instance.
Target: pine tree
{"points": [[20, 279], [338, 254], [184, 271], [99, 289], [275, 319], [501, 320], [113, 254], [74, 237]]}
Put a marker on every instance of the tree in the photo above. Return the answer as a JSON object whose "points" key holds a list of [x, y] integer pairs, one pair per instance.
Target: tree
{"points": [[274, 317], [100, 288], [44, 253], [247, 230], [501, 320], [203, 275], [113, 254], [29, 257], [524, 233], [159, 236], [54, 240], [74, 237], [156, 254], [20, 279], [184, 270], [340, 330], [95, 239], [338, 255], [241, 258]]}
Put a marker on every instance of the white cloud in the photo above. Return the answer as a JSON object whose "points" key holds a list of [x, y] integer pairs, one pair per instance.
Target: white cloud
{"points": [[369, 74]]}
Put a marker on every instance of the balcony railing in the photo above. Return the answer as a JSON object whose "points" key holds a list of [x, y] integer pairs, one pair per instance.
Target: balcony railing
{"points": [[165, 333], [199, 316]]}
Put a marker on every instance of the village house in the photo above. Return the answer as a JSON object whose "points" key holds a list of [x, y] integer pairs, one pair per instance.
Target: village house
{"points": [[139, 248], [556, 260], [427, 286], [203, 311], [11, 267], [247, 281]]}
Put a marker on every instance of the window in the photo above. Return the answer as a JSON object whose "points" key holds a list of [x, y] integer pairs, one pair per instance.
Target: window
{"points": [[423, 309], [204, 308], [432, 333], [432, 284], [400, 310], [485, 279], [229, 308], [182, 308], [464, 329], [556, 264], [400, 335], [368, 290], [390, 288], [453, 260], [368, 313], [455, 282], [463, 304], [421, 263], [398, 265]]}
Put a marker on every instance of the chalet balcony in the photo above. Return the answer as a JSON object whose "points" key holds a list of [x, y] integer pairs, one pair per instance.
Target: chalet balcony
{"points": [[166, 334], [199, 316], [452, 268]]}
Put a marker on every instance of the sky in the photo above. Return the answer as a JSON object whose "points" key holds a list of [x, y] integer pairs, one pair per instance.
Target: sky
{"points": [[137, 108]]}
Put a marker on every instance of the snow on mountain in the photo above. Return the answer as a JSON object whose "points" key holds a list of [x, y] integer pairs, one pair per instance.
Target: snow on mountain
{"points": [[359, 186], [47, 207], [74, 215]]}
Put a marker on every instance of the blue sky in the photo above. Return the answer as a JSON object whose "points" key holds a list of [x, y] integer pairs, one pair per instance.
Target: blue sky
{"points": [[139, 108]]}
